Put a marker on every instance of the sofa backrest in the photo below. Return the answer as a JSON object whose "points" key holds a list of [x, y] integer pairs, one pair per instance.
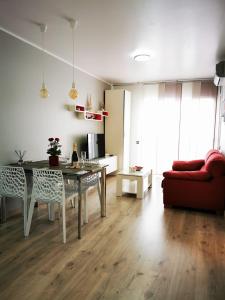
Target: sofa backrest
{"points": [[215, 163]]}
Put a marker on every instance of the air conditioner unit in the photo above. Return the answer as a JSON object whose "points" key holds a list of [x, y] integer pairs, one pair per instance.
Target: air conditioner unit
{"points": [[219, 78]]}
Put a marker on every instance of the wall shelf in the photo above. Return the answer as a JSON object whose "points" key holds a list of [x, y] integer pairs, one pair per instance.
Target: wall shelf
{"points": [[87, 115], [105, 113], [79, 108]]}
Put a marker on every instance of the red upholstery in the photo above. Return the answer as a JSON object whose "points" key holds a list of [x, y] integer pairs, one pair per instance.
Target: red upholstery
{"points": [[203, 188], [193, 165]]}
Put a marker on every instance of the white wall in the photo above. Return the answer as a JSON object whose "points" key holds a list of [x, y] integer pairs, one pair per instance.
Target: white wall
{"points": [[26, 120]]}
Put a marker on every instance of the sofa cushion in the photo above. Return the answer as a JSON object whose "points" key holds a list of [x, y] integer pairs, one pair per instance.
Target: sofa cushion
{"points": [[215, 165], [188, 175], [191, 165]]}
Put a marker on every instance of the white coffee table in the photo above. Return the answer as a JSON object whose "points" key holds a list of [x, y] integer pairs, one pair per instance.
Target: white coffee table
{"points": [[143, 179]]}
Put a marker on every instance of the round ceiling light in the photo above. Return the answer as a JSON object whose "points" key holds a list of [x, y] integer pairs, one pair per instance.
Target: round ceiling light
{"points": [[142, 57]]}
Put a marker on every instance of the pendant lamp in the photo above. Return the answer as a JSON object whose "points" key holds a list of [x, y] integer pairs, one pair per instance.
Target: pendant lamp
{"points": [[43, 91], [73, 93]]}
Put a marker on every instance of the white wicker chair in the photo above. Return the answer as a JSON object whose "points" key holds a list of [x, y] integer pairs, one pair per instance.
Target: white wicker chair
{"points": [[13, 184], [86, 183], [48, 187]]}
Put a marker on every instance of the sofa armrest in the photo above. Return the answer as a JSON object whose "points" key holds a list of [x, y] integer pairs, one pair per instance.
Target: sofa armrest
{"points": [[188, 175], [192, 165]]}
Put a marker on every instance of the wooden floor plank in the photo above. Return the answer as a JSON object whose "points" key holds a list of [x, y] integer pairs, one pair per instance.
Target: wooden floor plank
{"points": [[139, 251]]}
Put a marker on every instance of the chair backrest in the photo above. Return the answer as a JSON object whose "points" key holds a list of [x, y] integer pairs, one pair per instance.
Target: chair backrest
{"points": [[48, 185], [89, 181], [12, 182]]}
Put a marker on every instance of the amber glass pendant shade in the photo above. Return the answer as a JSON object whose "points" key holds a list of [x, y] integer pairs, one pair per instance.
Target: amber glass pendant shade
{"points": [[73, 92], [43, 91]]}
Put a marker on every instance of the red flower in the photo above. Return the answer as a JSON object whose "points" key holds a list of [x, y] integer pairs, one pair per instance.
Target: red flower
{"points": [[54, 147]]}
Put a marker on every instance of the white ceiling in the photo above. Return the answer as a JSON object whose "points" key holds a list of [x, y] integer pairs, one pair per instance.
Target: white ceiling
{"points": [[186, 38]]}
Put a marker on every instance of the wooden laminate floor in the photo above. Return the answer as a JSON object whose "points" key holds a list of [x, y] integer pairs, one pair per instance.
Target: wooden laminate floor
{"points": [[139, 251]]}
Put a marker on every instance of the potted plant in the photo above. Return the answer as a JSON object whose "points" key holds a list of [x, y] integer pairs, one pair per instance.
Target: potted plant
{"points": [[54, 151]]}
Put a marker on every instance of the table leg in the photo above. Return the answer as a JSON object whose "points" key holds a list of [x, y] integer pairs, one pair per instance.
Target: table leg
{"points": [[51, 212], [119, 183], [103, 192], [140, 187], [2, 210], [79, 209]]}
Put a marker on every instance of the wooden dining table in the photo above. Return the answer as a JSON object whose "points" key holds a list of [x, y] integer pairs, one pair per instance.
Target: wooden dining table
{"points": [[74, 173]]}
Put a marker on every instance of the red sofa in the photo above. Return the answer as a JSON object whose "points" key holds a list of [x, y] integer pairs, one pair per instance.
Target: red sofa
{"points": [[196, 184]]}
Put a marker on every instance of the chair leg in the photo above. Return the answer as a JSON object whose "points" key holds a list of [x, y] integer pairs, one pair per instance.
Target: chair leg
{"points": [[30, 215], [25, 214], [22, 207], [51, 211], [85, 209], [59, 211], [64, 222], [72, 202], [2, 210]]}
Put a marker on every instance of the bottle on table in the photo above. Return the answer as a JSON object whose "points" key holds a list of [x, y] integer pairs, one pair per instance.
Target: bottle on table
{"points": [[74, 156]]}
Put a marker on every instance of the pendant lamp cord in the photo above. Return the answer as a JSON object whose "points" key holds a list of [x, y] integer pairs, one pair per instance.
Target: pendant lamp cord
{"points": [[43, 55], [73, 49]]}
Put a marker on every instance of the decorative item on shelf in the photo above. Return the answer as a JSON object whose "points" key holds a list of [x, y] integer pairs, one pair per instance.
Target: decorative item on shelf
{"points": [[89, 116], [20, 155], [73, 93], [89, 103], [102, 107], [74, 156], [43, 91], [54, 150], [70, 107], [93, 116]]}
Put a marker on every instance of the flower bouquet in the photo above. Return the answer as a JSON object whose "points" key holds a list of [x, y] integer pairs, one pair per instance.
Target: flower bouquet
{"points": [[54, 151]]}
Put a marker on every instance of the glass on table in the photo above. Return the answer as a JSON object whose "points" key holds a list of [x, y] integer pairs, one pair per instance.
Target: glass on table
{"points": [[68, 157], [83, 158]]}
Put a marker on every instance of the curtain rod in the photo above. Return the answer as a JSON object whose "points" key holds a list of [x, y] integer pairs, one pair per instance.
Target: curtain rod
{"points": [[162, 81]]}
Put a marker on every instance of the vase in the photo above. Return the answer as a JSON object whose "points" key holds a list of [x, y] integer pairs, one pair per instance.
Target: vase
{"points": [[53, 160]]}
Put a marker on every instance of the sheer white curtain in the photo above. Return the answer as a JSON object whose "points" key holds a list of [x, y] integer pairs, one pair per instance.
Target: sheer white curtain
{"points": [[149, 126], [171, 121], [161, 110], [167, 125], [198, 116]]}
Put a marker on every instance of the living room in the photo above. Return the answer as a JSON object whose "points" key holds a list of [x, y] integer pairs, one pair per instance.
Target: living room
{"points": [[141, 249]]}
